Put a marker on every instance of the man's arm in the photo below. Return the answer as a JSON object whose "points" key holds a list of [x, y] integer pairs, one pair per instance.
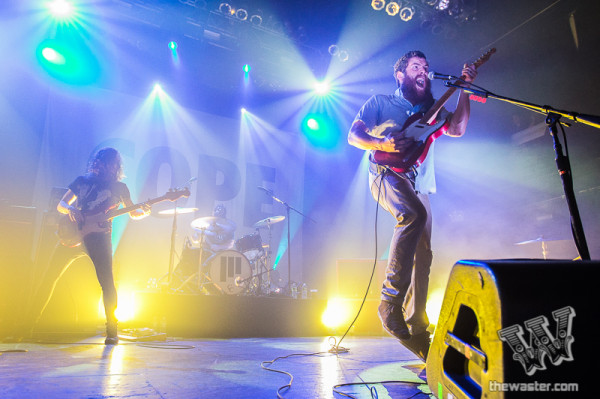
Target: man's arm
{"points": [[65, 206], [460, 117], [359, 137]]}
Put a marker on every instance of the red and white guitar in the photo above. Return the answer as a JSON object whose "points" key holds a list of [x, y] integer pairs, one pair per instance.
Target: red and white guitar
{"points": [[71, 233], [424, 129]]}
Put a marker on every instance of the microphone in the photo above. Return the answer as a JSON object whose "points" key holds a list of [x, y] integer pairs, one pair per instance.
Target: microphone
{"points": [[270, 192], [434, 75]]}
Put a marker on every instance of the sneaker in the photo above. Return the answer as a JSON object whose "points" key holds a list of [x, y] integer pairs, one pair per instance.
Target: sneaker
{"points": [[112, 337], [419, 345], [392, 318]]}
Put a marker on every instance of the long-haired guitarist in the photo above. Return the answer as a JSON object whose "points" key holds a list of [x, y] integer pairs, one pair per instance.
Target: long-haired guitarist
{"points": [[380, 127], [86, 202]]}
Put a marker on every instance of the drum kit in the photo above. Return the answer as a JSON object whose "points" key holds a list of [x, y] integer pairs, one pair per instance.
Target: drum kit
{"points": [[242, 267]]}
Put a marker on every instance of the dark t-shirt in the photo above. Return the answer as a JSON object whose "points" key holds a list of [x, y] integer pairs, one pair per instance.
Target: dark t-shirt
{"points": [[96, 195]]}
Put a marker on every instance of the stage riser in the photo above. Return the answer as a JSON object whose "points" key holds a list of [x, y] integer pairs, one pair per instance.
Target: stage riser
{"points": [[223, 316]]}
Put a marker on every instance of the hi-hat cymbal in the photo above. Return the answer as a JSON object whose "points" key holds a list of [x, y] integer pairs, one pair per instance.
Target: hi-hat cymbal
{"points": [[178, 210], [213, 223], [268, 221]]}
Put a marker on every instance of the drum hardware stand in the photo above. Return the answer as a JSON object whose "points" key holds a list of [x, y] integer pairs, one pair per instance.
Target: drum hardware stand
{"points": [[203, 278], [172, 249], [289, 248]]}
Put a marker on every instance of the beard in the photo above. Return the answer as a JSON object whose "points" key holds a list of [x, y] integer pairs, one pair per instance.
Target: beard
{"points": [[416, 93]]}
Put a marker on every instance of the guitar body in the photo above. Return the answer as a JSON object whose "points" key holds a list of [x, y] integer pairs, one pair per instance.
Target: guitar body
{"points": [[68, 232], [423, 134]]}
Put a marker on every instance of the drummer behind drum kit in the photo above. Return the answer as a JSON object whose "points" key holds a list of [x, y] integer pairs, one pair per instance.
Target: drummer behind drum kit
{"points": [[209, 268]]}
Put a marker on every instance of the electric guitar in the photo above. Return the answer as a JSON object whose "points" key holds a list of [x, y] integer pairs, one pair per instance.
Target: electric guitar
{"points": [[71, 233], [424, 129]]}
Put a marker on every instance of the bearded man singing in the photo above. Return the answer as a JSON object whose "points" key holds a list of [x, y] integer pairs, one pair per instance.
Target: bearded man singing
{"points": [[379, 126]]}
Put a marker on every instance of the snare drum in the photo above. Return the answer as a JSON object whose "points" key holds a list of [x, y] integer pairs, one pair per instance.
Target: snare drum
{"points": [[250, 245], [230, 271]]}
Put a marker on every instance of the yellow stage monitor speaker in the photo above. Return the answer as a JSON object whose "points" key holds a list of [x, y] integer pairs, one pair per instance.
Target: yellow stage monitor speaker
{"points": [[517, 329]]}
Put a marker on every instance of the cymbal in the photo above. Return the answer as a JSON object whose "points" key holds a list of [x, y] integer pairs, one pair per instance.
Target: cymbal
{"points": [[213, 223], [179, 211], [268, 221]]}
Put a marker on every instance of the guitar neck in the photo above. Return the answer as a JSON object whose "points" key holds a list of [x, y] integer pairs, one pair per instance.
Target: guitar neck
{"points": [[430, 115], [435, 108], [121, 211]]}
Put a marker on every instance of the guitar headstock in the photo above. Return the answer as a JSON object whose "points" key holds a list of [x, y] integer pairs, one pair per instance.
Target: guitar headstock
{"points": [[484, 57], [175, 194]]}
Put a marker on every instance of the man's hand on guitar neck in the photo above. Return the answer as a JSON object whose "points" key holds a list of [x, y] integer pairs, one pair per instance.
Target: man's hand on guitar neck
{"points": [[469, 73]]}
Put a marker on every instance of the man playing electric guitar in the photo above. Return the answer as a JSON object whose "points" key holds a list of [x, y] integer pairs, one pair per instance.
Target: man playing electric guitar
{"points": [[378, 127], [91, 195]]}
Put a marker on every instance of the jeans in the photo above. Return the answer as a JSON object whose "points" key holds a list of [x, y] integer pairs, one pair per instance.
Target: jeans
{"points": [[407, 272], [98, 247]]}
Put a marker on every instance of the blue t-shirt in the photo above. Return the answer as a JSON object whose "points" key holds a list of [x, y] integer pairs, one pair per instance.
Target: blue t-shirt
{"points": [[393, 110]]}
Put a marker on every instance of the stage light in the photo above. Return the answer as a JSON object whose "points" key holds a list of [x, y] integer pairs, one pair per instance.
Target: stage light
{"points": [[337, 313], [173, 46], [407, 13], [243, 110], [51, 55], [443, 5], [320, 131], [60, 9], [225, 8], [246, 68], [322, 88], [256, 20], [378, 5], [392, 8], [126, 308], [68, 61], [157, 89], [333, 50], [312, 124], [343, 56], [241, 14]]}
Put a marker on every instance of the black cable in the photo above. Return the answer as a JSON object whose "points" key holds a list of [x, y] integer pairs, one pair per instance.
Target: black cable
{"points": [[336, 348], [373, 390], [289, 384]]}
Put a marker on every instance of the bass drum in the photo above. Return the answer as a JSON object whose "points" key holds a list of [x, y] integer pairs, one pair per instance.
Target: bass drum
{"points": [[230, 271]]}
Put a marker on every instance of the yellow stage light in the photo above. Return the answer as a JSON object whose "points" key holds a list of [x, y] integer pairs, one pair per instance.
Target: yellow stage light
{"points": [[392, 8], [125, 310], [434, 304], [337, 313], [378, 4]]}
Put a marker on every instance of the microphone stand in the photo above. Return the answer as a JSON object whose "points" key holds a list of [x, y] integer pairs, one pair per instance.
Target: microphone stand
{"points": [[553, 117], [289, 247]]}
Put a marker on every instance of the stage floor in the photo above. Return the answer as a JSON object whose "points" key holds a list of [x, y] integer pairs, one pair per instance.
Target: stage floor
{"points": [[208, 368]]}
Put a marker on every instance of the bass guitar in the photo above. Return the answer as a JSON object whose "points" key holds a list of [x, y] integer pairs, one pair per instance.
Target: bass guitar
{"points": [[424, 129], [71, 233]]}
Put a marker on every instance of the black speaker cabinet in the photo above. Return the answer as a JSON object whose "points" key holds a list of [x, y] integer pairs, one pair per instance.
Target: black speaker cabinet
{"points": [[517, 328]]}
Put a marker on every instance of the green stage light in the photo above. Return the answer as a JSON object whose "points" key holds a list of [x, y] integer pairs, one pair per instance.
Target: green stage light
{"points": [[320, 131], [68, 61]]}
